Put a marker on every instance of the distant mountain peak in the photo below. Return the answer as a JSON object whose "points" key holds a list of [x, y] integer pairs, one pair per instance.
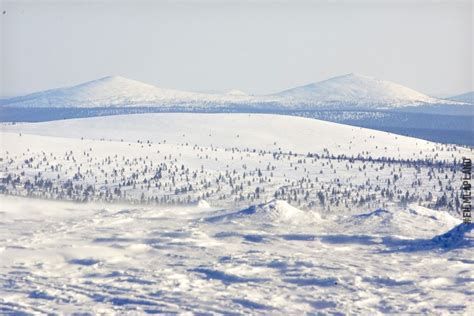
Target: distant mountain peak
{"points": [[354, 75], [114, 80], [235, 92], [118, 91], [356, 89]]}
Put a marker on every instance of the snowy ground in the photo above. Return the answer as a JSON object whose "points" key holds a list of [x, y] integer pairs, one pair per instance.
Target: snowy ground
{"points": [[242, 251], [66, 257]]}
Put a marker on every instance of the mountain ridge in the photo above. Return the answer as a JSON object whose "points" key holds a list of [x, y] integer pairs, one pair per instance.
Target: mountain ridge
{"points": [[350, 90]]}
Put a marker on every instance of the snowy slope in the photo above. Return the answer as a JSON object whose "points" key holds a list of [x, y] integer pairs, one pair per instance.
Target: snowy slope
{"points": [[465, 97], [355, 90], [260, 131], [118, 91]]}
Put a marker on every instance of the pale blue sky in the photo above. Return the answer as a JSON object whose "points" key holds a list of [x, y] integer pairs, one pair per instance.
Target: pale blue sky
{"points": [[256, 46]]}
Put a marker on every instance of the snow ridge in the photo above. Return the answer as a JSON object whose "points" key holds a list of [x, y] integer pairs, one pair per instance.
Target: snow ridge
{"points": [[461, 235], [274, 211]]}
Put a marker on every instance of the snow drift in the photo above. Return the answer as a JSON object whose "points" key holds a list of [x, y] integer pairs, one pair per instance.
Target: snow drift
{"points": [[413, 221], [274, 211], [460, 236]]}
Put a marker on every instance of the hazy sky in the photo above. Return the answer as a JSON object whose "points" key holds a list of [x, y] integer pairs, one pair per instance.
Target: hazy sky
{"points": [[256, 46]]}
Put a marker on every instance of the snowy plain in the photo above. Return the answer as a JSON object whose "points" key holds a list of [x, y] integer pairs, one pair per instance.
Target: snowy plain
{"points": [[233, 248]]}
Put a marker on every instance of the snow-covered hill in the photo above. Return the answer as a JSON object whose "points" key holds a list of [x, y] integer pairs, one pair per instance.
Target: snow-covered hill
{"points": [[356, 91], [259, 131], [348, 91], [116, 91]]}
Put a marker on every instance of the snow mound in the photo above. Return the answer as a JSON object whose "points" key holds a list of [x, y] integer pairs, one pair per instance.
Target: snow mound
{"points": [[461, 235], [274, 211], [414, 221], [356, 90], [203, 204]]}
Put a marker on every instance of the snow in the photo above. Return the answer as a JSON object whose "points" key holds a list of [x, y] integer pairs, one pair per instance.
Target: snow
{"points": [[229, 250], [115, 91], [203, 204], [270, 213], [254, 131], [235, 92], [415, 221], [460, 236], [114, 259], [353, 91]]}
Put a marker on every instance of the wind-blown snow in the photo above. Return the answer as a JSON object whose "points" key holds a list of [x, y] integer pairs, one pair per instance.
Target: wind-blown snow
{"points": [[69, 258]]}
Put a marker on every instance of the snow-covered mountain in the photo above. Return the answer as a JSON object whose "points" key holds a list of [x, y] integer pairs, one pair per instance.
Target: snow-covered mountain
{"points": [[348, 91], [465, 97], [357, 91], [116, 91]]}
